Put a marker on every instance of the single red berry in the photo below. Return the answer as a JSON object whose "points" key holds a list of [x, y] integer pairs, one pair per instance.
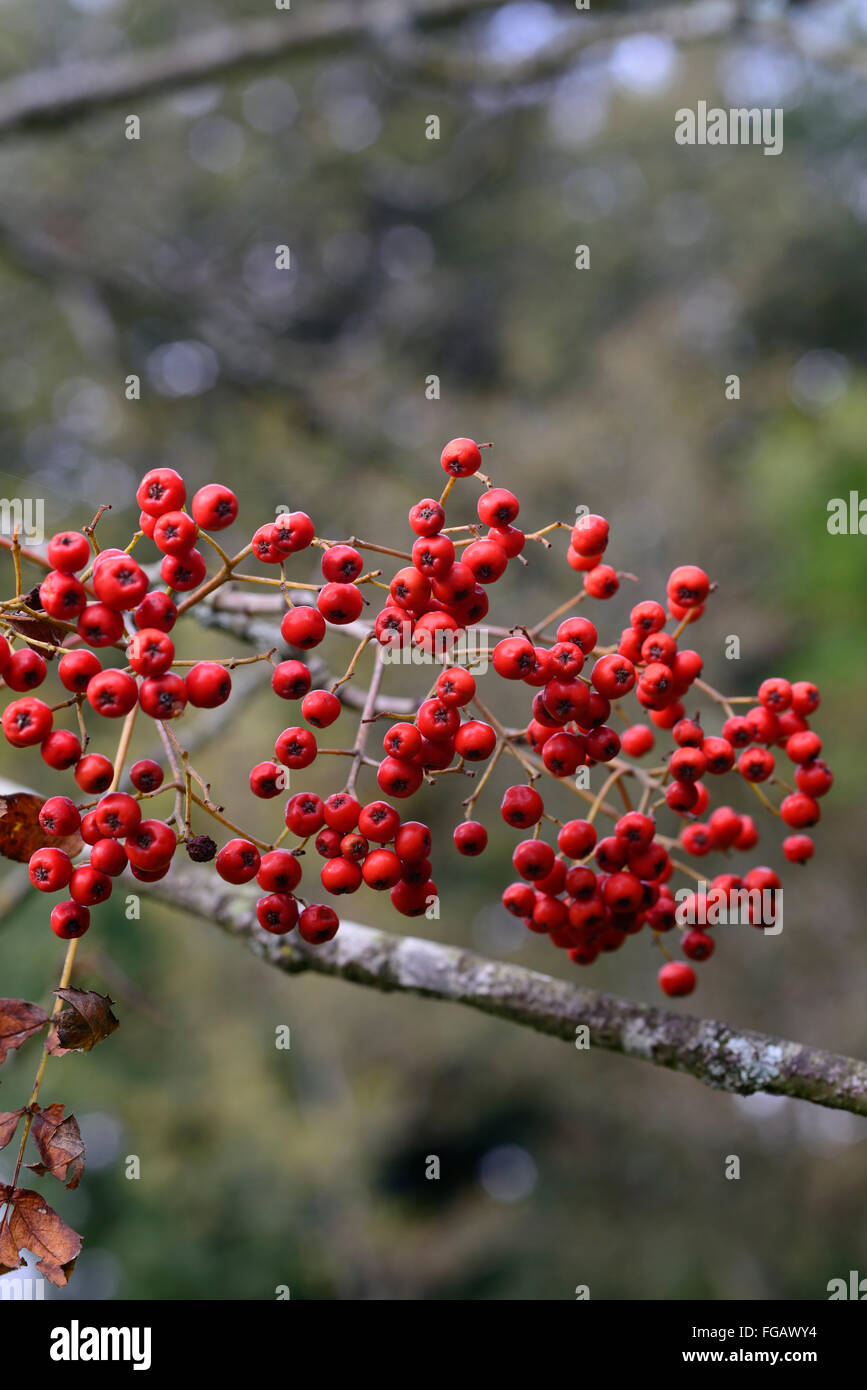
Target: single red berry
{"points": [[295, 748], [61, 749], [156, 610], [800, 810], [342, 812], [290, 680], [412, 841], [108, 857], [320, 708], [402, 741], [676, 978], [62, 595], [99, 625], [151, 846], [378, 821], [214, 507], [461, 458], [756, 764], [776, 694], [76, 668], [602, 743], [340, 604], [305, 814], [163, 697], [175, 533], [576, 838], [521, 806], [26, 722], [798, 848], [161, 490], [805, 697], [341, 564], [150, 652], [90, 831], [94, 773], [476, 741], [208, 685], [68, 551], [381, 869], [814, 778], [804, 747], [146, 775], [580, 631], [613, 676], [601, 582], [267, 780], [50, 869], [88, 887], [185, 571], [340, 876], [302, 627], [637, 740], [486, 559], [25, 670], [427, 517], [318, 924], [354, 846], [497, 507], [514, 658], [277, 913], [470, 837], [533, 859], [590, 534], [238, 861], [399, 778], [120, 582], [697, 838], [293, 531], [69, 920], [59, 815], [688, 586], [279, 871], [697, 945], [681, 796], [763, 724], [737, 731]]}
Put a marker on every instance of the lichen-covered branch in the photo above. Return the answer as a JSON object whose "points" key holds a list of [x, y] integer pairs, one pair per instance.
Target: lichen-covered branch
{"points": [[728, 1059]]}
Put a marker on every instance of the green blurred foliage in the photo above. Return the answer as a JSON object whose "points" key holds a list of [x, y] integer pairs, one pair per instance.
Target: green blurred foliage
{"points": [[259, 1167]]}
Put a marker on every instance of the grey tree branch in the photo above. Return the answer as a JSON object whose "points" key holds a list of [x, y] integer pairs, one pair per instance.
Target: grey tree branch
{"points": [[725, 1058], [55, 96]]}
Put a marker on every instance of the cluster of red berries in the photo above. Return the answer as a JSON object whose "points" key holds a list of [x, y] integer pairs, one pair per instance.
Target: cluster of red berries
{"points": [[588, 895]]}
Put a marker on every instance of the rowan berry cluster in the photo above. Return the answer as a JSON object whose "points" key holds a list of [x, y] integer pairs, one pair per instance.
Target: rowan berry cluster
{"points": [[587, 895]]}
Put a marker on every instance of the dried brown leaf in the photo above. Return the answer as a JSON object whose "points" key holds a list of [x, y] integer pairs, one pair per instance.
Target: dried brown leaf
{"points": [[86, 1022], [18, 1022], [8, 1125], [60, 1144], [31, 1224]]}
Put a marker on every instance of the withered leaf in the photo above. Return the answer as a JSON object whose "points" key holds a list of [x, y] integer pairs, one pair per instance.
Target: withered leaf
{"points": [[86, 1022], [60, 1144], [18, 1022], [20, 831], [8, 1125], [40, 629], [31, 1224]]}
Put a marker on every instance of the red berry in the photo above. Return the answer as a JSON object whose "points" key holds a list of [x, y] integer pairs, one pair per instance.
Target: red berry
{"points": [[340, 603], [293, 531], [175, 533], [381, 869], [470, 837], [433, 556], [320, 708], [161, 490], [59, 816], [688, 586], [580, 631], [676, 978], [697, 945], [146, 775], [340, 876], [214, 507], [799, 810], [402, 741], [238, 861], [94, 773], [590, 534], [805, 697], [208, 685], [342, 812], [412, 841], [185, 571], [461, 458], [62, 595], [378, 821], [475, 741], [267, 780], [427, 517], [305, 814], [26, 722], [88, 887], [637, 740], [25, 670], [514, 658], [613, 676], [776, 694], [156, 610], [486, 559], [69, 920], [295, 748], [756, 764], [120, 582], [576, 838], [341, 564], [76, 668], [601, 582], [108, 857], [533, 859], [151, 846], [804, 747], [798, 848], [61, 749], [317, 924], [50, 870], [68, 551], [279, 871], [150, 652], [521, 806], [99, 625], [163, 697], [277, 913], [302, 627]]}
